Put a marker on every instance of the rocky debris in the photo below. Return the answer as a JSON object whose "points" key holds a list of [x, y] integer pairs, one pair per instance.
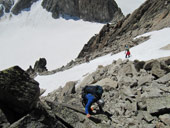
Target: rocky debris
{"points": [[152, 15], [18, 92], [134, 97], [96, 10]]}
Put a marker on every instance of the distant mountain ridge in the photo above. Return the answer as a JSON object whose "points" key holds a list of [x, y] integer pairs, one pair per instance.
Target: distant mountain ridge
{"points": [[89, 10]]}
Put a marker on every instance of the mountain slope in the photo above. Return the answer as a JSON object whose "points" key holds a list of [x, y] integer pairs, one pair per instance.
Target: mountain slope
{"points": [[152, 15]]}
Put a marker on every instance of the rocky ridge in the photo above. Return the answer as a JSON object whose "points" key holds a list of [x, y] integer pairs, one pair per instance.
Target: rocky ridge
{"points": [[152, 15]]}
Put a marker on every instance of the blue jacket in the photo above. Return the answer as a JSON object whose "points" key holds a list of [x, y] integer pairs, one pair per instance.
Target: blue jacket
{"points": [[90, 99]]}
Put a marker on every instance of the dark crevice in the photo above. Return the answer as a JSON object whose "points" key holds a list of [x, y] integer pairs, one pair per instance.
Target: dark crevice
{"points": [[64, 122], [161, 112]]}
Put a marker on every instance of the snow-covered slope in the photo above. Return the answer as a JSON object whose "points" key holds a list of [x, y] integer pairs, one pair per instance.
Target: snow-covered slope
{"points": [[34, 34], [150, 49]]}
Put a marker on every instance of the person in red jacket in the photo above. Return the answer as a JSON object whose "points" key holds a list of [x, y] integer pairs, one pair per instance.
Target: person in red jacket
{"points": [[127, 51]]}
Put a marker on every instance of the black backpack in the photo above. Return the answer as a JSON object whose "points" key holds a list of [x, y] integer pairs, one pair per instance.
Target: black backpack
{"points": [[95, 90]]}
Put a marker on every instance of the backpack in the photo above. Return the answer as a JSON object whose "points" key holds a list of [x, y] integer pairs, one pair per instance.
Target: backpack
{"points": [[97, 91]]}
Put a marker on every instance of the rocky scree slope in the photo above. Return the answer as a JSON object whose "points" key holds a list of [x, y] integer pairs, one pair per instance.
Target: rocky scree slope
{"points": [[96, 10], [136, 94]]}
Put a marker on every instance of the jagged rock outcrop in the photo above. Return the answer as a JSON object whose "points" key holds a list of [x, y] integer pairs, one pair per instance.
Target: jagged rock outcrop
{"points": [[95, 10], [40, 65], [152, 15], [39, 68]]}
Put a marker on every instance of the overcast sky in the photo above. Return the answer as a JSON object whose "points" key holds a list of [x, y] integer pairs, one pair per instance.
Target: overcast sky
{"points": [[128, 6]]}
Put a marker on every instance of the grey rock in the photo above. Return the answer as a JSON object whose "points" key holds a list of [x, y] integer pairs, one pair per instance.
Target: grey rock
{"points": [[144, 79], [164, 79], [147, 116], [69, 88], [165, 118], [158, 105], [107, 82]]}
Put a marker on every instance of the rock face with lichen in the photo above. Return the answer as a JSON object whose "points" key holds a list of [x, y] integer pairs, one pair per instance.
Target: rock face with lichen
{"points": [[18, 92]]}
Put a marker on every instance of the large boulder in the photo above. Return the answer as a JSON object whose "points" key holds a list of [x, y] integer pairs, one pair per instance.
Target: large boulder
{"points": [[18, 92]]}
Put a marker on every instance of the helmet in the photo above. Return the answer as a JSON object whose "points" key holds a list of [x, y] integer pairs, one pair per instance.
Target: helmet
{"points": [[100, 102]]}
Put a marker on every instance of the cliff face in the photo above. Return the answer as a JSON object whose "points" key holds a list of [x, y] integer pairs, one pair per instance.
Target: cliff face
{"points": [[152, 15], [90, 10]]}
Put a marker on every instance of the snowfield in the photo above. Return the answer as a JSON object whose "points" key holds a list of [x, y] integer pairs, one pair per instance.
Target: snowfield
{"points": [[32, 35]]}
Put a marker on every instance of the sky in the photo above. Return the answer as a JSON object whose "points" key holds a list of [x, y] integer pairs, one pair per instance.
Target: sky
{"points": [[128, 6], [32, 35]]}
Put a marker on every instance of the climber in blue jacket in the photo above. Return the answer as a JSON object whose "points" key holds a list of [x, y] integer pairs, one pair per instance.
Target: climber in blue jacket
{"points": [[92, 94]]}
